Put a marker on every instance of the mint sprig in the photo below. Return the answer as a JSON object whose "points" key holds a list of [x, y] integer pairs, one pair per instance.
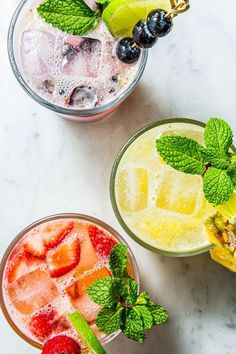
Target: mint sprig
{"points": [[70, 16], [218, 135], [214, 161], [217, 186], [123, 308]]}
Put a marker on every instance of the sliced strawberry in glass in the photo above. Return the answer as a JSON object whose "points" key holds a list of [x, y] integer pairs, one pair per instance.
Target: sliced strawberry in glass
{"points": [[54, 232], [64, 258], [102, 242]]}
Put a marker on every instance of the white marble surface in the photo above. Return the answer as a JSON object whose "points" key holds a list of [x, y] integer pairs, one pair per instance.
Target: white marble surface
{"points": [[50, 165]]}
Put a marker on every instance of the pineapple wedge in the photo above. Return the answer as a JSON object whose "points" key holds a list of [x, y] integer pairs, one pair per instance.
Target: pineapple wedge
{"points": [[222, 234]]}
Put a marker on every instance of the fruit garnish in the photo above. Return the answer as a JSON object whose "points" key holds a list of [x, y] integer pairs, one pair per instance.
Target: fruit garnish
{"points": [[142, 20], [102, 243], [64, 258], [121, 16], [61, 344], [54, 233], [42, 324], [158, 23], [122, 308], [127, 50], [86, 334], [34, 245], [223, 235], [142, 36], [215, 161]]}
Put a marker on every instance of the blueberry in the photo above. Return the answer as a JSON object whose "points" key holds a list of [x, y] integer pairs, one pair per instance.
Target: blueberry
{"points": [[48, 86], [127, 50], [83, 97], [158, 24], [142, 36]]}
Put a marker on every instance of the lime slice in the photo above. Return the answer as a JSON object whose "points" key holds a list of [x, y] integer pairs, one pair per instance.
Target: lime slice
{"points": [[121, 16], [86, 334], [228, 210]]}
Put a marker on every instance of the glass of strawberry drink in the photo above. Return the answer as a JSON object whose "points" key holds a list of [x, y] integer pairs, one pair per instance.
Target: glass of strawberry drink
{"points": [[45, 273]]}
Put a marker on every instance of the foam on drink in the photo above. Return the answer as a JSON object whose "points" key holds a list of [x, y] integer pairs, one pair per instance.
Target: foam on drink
{"points": [[72, 71]]}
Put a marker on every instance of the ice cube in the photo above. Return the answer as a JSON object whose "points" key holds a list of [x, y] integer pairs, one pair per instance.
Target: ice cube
{"points": [[32, 291], [132, 189], [86, 307], [81, 56], [178, 192], [80, 286], [37, 52]]}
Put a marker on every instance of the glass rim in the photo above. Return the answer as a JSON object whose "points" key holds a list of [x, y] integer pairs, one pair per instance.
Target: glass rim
{"points": [[115, 207], [38, 222], [58, 109]]}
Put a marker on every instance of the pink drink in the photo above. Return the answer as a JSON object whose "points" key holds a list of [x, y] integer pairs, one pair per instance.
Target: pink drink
{"points": [[46, 272], [75, 76]]}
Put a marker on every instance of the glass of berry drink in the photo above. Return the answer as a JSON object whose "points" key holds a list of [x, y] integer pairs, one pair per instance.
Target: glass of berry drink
{"points": [[81, 78]]}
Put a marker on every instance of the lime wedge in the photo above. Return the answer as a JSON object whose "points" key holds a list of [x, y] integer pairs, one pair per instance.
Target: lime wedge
{"points": [[228, 210], [86, 334], [121, 16]]}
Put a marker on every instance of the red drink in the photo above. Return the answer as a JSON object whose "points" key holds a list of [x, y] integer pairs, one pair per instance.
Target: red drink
{"points": [[46, 271]]}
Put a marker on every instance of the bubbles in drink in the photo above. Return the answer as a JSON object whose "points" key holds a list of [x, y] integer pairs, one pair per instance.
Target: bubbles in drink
{"points": [[81, 57], [39, 302], [72, 71]]}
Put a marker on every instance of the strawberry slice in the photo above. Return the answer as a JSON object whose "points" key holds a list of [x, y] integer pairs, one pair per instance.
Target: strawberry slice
{"points": [[17, 267], [34, 245], [54, 233], [102, 243], [64, 258], [42, 324]]}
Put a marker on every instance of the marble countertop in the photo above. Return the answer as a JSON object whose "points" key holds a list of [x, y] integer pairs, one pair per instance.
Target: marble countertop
{"points": [[51, 165]]}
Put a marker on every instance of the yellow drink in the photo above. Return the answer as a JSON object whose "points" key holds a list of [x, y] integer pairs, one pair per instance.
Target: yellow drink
{"points": [[161, 208]]}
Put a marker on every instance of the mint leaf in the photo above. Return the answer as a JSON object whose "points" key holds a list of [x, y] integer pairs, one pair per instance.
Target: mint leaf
{"points": [[146, 316], [159, 314], [70, 16], [217, 186], [109, 320], [218, 134], [103, 292], [118, 260], [132, 288], [144, 299], [217, 158], [104, 3], [133, 326], [181, 153]]}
